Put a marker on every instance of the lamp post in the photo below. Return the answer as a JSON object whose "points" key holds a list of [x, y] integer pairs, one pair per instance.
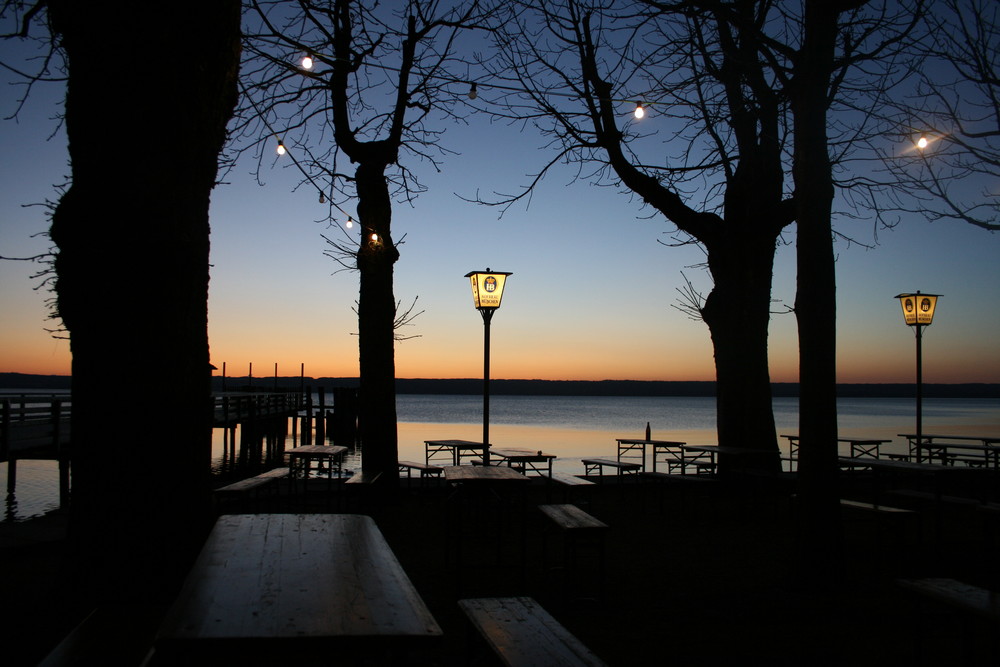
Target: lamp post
{"points": [[918, 311], [487, 290]]}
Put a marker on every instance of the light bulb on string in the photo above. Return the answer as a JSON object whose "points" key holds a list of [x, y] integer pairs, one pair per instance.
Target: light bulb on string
{"points": [[322, 198], [281, 147], [307, 62], [639, 110], [923, 142], [473, 93], [350, 222]]}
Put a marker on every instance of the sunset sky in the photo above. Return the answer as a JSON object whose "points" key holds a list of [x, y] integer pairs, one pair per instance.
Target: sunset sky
{"points": [[591, 296]]}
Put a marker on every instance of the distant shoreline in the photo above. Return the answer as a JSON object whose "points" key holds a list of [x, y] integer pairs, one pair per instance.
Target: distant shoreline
{"points": [[474, 386]]}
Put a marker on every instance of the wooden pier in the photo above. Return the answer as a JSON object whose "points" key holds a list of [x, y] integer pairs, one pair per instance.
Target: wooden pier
{"points": [[37, 426]]}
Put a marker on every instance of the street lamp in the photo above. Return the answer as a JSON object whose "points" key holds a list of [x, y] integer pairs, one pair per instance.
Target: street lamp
{"points": [[918, 311], [487, 290]]}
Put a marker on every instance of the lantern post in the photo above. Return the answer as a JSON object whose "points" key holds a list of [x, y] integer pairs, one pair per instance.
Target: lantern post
{"points": [[918, 312], [487, 291]]}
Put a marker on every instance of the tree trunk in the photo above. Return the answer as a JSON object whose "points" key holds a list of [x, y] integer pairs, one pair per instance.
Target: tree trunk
{"points": [[376, 320], [816, 298], [146, 114], [737, 314]]}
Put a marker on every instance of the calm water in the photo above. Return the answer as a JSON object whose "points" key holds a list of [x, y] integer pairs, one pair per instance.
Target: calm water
{"points": [[578, 427]]}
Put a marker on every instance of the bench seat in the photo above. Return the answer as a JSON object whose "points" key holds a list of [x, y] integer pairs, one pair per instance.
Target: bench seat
{"points": [[521, 632], [570, 480], [423, 468], [250, 483], [597, 465]]}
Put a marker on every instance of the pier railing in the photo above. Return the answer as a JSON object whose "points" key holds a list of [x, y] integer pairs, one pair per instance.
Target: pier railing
{"points": [[33, 421], [231, 409]]}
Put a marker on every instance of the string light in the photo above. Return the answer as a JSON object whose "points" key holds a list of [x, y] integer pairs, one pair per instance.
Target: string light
{"points": [[350, 222], [281, 147], [473, 93], [307, 62], [922, 142], [322, 198], [639, 110]]}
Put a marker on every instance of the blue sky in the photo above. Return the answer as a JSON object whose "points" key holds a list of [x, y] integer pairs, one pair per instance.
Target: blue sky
{"points": [[590, 297]]}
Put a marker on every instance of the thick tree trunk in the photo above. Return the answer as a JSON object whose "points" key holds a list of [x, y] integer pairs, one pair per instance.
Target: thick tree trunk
{"points": [[145, 115], [815, 300], [376, 320], [737, 314]]}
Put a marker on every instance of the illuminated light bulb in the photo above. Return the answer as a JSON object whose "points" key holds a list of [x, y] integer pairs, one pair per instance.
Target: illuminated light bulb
{"points": [[473, 93], [307, 63], [374, 237], [922, 143], [281, 148], [639, 111], [350, 222]]}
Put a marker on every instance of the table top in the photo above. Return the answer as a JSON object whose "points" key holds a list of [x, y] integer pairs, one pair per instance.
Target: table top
{"points": [[482, 474], [454, 443], [857, 441], [522, 454], [724, 450], [267, 578], [640, 441], [884, 464], [317, 450], [985, 439]]}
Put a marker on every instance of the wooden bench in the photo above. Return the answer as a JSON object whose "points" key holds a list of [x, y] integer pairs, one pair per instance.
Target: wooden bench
{"points": [[683, 483], [109, 635], [521, 632], [246, 487], [569, 483], [597, 465], [360, 477], [957, 594], [425, 469], [976, 642], [873, 507], [579, 530]]}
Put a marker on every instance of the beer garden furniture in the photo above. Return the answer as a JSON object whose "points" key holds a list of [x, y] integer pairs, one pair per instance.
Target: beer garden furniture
{"points": [[291, 588]]}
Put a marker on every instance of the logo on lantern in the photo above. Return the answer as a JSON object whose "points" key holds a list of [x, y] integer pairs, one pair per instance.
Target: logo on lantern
{"points": [[490, 284]]}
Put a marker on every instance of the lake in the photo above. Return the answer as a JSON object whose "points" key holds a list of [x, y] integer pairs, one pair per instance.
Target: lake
{"points": [[575, 427]]}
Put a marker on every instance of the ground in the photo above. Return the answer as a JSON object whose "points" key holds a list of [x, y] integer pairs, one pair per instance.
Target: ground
{"points": [[702, 576]]}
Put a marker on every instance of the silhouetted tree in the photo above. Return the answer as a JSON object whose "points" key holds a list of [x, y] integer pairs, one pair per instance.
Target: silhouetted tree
{"points": [[955, 108], [711, 159], [148, 97], [378, 89]]}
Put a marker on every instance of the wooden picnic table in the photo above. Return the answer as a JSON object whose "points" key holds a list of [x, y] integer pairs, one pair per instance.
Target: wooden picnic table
{"points": [[988, 447], [860, 447], [285, 588], [628, 445], [456, 450], [711, 462], [535, 461], [300, 459]]}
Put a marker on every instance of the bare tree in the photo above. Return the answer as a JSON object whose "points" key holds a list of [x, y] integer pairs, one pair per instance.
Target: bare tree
{"points": [[710, 160], [378, 86], [145, 115], [950, 124]]}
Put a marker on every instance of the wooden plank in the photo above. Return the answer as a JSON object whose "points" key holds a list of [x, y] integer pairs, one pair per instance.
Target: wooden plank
{"points": [[571, 517], [570, 480], [283, 577], [957, 594], [872, 507], [613, 464], [521, 632]]}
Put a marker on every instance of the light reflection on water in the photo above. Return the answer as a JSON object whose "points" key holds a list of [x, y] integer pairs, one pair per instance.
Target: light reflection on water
{"points": [[579, 427]]}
